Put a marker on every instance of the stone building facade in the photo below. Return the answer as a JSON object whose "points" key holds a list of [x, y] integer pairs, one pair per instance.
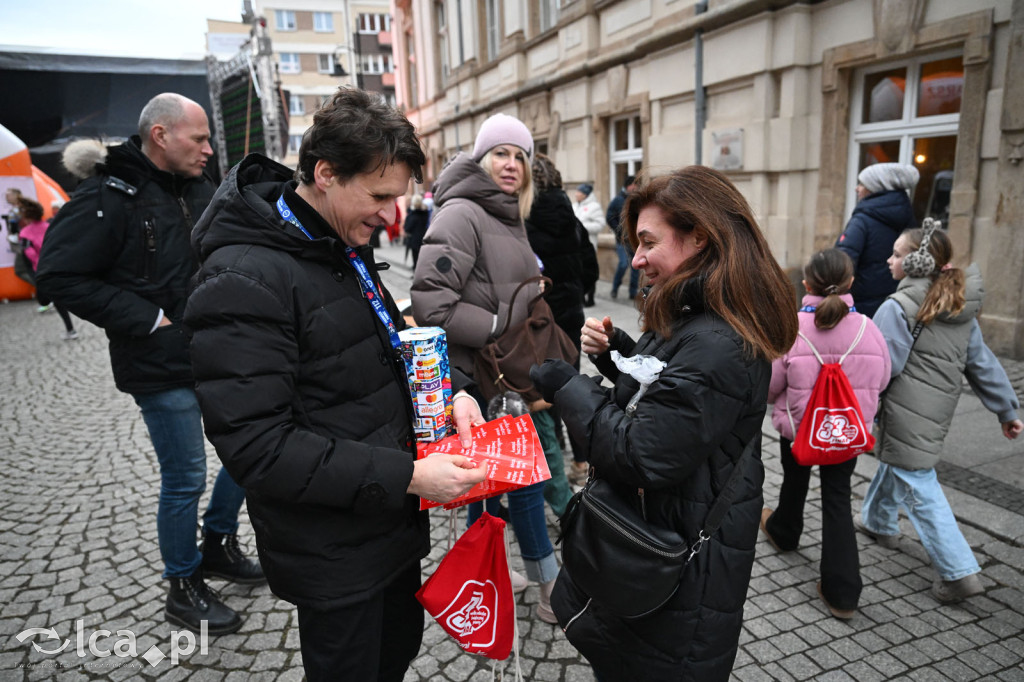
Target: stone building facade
{"points": [[790, 99]]}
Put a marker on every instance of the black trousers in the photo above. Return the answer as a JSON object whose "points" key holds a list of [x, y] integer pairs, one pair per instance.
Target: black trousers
{"points": [[840, 565], [372, 640]]}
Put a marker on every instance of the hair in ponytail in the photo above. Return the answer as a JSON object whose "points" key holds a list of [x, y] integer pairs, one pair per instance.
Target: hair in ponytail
{"points": [[829, 274], [947, 293]]}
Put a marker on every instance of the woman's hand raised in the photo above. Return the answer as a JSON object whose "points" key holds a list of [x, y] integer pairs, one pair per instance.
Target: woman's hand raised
{"points": [[595, 336]]}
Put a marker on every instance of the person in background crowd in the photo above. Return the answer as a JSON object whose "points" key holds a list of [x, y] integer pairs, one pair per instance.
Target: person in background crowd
{"points": [[474, 256], [118, 255], [931, 328], [883, 211], [561, 243], [591, 215], [32, 233], [613, 218], [838, 334], [11, 196], [416, 222], [305, 395], [716, 314]]}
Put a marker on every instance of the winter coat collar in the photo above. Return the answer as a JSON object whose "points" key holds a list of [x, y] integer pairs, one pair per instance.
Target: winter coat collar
{"points": [[463, 178], [891, 209], [244, 212], [127, 162]]}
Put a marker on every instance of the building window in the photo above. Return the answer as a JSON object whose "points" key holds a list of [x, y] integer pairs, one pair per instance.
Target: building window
{"points": [[323, 22], [374, 23], [625, 150], [909, 112], [377, 63], [285, 19], [548, 14], [294, 142], [297, 105], [443, 59], [411, 74], [491, 28], [290, 62], [325, 63]]}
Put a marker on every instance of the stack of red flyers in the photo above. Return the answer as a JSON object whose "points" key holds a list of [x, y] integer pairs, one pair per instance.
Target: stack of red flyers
{"points": [[510, 447]]}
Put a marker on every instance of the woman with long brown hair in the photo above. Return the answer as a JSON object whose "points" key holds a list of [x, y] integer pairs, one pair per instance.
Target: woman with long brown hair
{"points": [[717, 310]]}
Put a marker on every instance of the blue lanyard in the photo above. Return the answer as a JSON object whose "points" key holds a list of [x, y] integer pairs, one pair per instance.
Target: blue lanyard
{"points": [[812, 308], [365, 281]]}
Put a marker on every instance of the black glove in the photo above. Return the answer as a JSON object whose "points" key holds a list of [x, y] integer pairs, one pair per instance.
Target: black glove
{"points": [[551, 376]]}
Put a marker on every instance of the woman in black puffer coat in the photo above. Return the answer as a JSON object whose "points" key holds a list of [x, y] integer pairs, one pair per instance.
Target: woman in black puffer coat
{"points": [[715, 313]]}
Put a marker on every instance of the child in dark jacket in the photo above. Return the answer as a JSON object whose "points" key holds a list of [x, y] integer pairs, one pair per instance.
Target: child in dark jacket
{"points": [[829, 323], [930, 325]]}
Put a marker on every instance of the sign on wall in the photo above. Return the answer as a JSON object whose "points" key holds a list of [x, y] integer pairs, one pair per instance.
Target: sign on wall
{"points": [[727, 149]]}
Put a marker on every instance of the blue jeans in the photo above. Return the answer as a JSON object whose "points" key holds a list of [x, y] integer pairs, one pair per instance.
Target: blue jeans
{"points": [[625, 263], [176, 429], [920, 494], [526, 510]]}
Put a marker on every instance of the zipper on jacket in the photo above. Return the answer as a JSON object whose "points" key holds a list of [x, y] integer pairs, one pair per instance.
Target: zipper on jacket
{"points": [[643, 503], [149, 237], [187, 213]]}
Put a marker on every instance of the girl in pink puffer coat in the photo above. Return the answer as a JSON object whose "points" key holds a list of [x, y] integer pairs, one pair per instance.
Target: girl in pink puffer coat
{"points": [[831, 323]]}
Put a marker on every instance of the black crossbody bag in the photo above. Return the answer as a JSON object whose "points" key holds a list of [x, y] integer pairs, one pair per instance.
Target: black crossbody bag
{"points": [[620, 560]]}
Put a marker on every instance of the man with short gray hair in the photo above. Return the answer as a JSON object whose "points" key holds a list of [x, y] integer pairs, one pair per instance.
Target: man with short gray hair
{"points": [[118, 255]]}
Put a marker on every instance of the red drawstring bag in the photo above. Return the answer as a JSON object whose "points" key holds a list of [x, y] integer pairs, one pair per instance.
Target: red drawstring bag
{"points": [[470, 593], [832, 429]]}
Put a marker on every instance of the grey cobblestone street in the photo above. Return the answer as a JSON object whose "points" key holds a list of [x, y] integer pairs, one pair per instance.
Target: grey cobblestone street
{"points": [[78, 551]]}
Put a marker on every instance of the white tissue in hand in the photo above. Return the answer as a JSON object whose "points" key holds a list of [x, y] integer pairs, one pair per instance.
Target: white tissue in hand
{"points": [[644, 368]]}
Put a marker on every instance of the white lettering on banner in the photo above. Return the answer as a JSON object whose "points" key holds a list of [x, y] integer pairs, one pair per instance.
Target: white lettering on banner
{"points": [[124, 647]]}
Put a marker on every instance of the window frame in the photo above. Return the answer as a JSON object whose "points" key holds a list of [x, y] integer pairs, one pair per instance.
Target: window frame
{"points": [[632, 155], [318, 16], [548, 14], [289, 65], [288, 26], [330, 63], [492, 28], [905, 130], [296, 104]]}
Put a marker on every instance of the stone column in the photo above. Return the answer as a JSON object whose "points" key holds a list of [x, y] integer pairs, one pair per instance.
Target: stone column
{"points": [[1003, 318]]}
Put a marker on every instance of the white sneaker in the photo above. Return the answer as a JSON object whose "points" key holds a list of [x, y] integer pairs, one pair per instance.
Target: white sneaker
{"points": [[71, 335], [45, 308]]}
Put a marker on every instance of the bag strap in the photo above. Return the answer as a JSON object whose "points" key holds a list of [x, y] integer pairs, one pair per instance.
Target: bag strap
{"points": [[512, 301], [724, 500], [856, 340]]}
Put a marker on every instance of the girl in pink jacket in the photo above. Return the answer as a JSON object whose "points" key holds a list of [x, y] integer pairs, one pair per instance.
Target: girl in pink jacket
{"points": [[831, 323]]}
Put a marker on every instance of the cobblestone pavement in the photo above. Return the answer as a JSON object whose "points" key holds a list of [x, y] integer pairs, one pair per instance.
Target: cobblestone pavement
{"points": [[78, 552]]}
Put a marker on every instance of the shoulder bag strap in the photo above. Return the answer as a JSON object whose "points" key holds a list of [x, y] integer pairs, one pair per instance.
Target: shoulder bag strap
{"points": [[512, 301], [724, 500]]}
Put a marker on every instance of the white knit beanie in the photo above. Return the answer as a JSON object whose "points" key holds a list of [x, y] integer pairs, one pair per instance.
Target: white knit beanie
{"points": [[502, 129], [882, 177]]}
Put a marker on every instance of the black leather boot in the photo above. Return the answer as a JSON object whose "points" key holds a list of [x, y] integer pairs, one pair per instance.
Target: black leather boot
{"points": [[223, 558], [191, 601]]}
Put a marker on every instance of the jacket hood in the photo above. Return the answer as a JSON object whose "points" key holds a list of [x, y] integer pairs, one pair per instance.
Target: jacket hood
{"points": [[892, 209], [974, 294], [463, 178], [244, 211]]}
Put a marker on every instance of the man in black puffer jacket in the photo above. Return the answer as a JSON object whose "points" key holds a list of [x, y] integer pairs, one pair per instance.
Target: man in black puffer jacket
{"points": [[883, 212], [304, 393], [118, 255]]}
